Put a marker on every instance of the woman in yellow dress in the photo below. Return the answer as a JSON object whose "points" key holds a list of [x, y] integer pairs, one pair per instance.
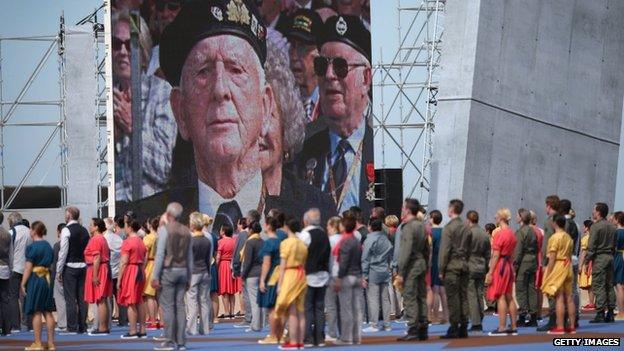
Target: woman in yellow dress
{"points": [[292, 285], [558, 278], [149, 293], [584, 279]]}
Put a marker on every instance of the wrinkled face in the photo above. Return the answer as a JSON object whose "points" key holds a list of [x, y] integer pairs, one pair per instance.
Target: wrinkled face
{"points": [[272, 141], [121, 51], [343, 99], [222, 100], [302, 62]]}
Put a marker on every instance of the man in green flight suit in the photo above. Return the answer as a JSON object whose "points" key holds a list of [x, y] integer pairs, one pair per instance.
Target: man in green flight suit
{"points": [[480, 252], [453, 264], [412, 267], [525, 263]]}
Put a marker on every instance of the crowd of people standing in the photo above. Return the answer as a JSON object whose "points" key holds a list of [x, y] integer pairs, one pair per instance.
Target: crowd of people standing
{"points": [[311, 282]]}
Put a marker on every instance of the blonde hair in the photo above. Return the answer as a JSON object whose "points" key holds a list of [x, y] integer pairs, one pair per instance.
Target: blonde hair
{"points": [[198, 221], [504, 214], [533, 217], [334, 222], [392, 221]]}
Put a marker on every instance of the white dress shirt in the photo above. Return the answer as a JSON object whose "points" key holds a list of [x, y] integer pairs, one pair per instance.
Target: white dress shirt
{"points": [[247, 198], [60, 265], [21, 241], [320, 278], [114, 242]]}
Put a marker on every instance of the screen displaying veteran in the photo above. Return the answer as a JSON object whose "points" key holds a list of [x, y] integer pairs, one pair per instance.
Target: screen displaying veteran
{"points": [[337, 156], [213, 55]]}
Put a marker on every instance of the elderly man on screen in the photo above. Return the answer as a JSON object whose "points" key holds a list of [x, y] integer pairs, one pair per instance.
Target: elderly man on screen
{"points": [[337, 155]]}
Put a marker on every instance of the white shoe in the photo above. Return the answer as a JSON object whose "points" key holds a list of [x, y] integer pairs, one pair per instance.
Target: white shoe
{"points": [[370, 329], [342, 343], [329, 338], [388, 328]]}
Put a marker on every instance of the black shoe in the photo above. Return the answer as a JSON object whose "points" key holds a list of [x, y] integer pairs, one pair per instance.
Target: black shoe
{"points": [[610, 316], [521, 322], [552, 319], [531, 321], [476, 328], [497, 332], [142, 335], [412, 335], [600, 318], [463, 330], [451, 333], [130, 336], [423, 332], [512, 331], [99, 333]]}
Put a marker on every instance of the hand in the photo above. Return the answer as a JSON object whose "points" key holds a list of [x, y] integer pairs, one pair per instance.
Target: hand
{"points": [[119, 284], [441, 276], [95, 281], [337, 285], [155, 283], [488, 279], [262, 287], [23, 290], [188, 286], [122, 111], [59, 278], [398, 280], [364, 284]]}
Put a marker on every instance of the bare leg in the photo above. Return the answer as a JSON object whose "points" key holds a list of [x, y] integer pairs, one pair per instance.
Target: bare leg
{"points": [[132, 319], [226, 303], [302, 326], [502, 313], [50, 324], [513, 310], [37, 324], [215, 305], [429, 303], [141, 311], [232, 303], [619, 292], [571, 310], [102, 307], [445, 312], [592, 298], [560, 310], [435, 306], [293, 331]]}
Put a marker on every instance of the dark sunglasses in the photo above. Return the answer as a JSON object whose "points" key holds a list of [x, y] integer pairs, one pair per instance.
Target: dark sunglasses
{"points": [[118, 43], [340, 65], [169, 5]]}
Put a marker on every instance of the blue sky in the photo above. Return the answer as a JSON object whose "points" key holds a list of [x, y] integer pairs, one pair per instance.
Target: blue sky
{"points": [[41, 17]]}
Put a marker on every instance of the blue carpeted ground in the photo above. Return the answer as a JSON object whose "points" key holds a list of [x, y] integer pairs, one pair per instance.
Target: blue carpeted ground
{"points": [[225, 337]]}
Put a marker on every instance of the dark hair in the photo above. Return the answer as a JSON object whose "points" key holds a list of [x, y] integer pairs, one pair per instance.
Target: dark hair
{"points": [[227, 230], [154, 223], [145, 225], [473, 216], [99, 224], [39, 228], [119, 221], [255, 227], [134, 225], [412, 205], [525, 216], [588, 223], [378, 213], [279, 216], [74, 212], [242, 222], [357, 213], [457, 206], [348, 222], [25, 222], [490, 228], [552, 201], [273, 223], [376, 225], [436, 216], [60, 227], [294, 225], [559, 220], [254, 215], [565, 206], [619, 217], [602, 208]]}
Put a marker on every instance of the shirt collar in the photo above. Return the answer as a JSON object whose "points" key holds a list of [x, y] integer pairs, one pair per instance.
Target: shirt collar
{"points": [[71, 222], [247, 197], [310, 227], [354, 139]]}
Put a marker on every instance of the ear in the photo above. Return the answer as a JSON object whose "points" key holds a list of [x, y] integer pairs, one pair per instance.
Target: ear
{"points": [[175, 98], [368, 77]]}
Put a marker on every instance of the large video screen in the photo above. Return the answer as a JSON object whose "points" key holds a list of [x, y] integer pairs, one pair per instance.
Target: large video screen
{"points": [[231, 105]]}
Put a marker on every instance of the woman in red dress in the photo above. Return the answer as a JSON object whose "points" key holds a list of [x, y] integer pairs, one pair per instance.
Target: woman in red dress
{"points": [[132, 281], [228, 285], [98, 283], [500, 278]]}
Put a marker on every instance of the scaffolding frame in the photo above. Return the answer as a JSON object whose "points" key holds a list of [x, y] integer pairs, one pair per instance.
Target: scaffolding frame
{"points": [[411, 76]]}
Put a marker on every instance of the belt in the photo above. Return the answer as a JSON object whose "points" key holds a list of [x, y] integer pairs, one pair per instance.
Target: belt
{"points": [[504, 265], [42, 272], [150, 259], [565, 260], [300, 270]]}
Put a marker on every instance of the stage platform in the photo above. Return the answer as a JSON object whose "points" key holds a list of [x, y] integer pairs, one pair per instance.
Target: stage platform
{"points": [[225, 336]]}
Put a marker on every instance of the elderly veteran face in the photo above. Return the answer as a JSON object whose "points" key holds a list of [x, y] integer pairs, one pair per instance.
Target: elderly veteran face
{"points": [[221, 99]]}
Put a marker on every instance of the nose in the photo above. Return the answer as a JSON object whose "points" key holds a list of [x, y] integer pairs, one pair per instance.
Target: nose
{"points": [[330, 74], [220, 89]]}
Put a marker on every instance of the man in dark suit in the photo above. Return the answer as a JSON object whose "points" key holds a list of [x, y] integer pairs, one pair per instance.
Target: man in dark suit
{"points": [[337, 156]]}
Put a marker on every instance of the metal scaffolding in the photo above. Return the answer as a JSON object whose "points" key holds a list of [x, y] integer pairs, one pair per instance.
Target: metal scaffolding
{"points": [[55, 124], [406, 89]]}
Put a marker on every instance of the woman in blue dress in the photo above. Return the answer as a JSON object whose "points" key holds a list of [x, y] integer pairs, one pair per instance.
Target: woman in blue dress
{"points": [[36, 286], [437, 287], [267, 293], [618, 266]]}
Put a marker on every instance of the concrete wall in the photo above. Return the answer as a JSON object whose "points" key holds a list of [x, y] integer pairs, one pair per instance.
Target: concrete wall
{"points": [[530, 103]]}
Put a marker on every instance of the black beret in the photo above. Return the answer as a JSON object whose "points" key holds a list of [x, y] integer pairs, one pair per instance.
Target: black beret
{"points": [[304, 24], [322, 4], [200, 19], [347, 29]]}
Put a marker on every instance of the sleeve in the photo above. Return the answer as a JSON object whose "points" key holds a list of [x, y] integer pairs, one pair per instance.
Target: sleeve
{"points": [[248, 260], [189, 260], [30, 254], [397, 248], [591, 244], [407, 242], [584, 242], [63, 251], [519, 247], [496, 244], [125, 248], [284, 249], [553, 244], [445, 250], [160, 252], [365, 260]]}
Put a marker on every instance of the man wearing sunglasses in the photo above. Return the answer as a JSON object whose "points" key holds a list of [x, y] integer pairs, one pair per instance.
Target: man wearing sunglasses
{"points": [[337, 156], [302, 35]]}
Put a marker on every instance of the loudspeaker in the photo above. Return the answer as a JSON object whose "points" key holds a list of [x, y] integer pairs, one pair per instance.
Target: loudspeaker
{"points": [[389, 190]]}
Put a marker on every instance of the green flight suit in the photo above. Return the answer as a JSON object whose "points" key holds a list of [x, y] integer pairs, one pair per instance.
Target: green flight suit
{"points": [[600, 251], [480, 252], [525, 263]]}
